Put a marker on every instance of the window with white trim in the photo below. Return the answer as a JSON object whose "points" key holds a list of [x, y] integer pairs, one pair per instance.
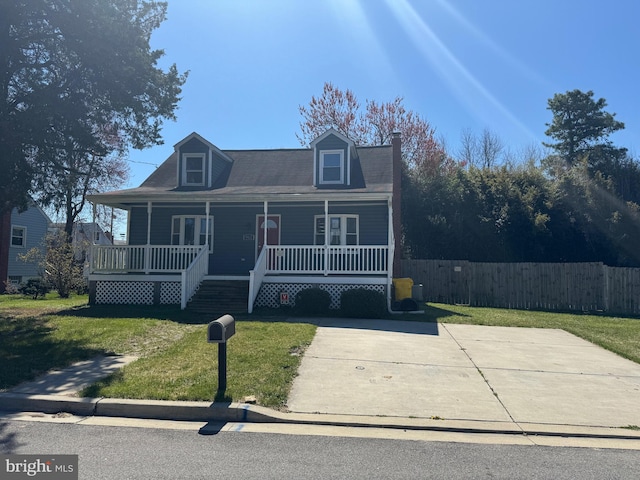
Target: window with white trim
{"points": [[18, 236], [343, 229], [193, 169], [191, 230], [332, 166]]}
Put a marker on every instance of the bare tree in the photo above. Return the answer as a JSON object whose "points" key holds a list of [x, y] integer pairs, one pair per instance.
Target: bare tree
{"points": [[468, 151], [490, 149]]}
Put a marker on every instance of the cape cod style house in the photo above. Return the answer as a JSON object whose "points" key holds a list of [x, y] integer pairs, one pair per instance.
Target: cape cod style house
{"points": [[272, 221]]}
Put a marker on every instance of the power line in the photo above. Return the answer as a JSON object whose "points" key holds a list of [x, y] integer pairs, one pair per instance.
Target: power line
{"points": [[145, 163]]}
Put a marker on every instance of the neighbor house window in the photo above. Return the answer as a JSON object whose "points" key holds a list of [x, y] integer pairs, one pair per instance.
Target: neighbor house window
{"points": [[332, 166], [18, 236], [191, 230], [193, 169], [343, 230]]}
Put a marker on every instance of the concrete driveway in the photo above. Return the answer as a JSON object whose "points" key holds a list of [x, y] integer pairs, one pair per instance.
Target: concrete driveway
{"points": [[464, 372]]}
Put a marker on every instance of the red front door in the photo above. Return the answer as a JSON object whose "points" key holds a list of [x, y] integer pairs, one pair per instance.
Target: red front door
{"points": [[273, 231]]}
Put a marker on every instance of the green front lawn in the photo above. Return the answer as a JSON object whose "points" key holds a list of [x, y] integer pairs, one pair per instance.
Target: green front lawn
{"points": [[176, 362]]}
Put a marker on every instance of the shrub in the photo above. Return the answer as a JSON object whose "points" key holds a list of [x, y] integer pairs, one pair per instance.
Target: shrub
{"points": [[34, 287], [58, 265], [10, 288], [363, 303], [312, 301]]}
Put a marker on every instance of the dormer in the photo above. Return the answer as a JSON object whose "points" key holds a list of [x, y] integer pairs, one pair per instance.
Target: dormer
{"points": [[200, 163], [333, 154]]}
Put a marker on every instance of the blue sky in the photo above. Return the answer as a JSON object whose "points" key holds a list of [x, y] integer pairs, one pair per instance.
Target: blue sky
{"points": [[461, 64]]}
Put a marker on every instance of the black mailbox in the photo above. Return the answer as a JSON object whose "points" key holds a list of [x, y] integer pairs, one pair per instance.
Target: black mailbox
{"points": [[220, 330]]}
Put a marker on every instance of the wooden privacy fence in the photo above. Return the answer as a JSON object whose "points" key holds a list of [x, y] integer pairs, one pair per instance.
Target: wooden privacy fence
{"points": [[547, 286]]}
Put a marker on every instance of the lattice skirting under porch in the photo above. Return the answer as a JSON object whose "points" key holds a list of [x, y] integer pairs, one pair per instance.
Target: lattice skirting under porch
{"points": [[137, 292], [170, 293], [269, 295]]}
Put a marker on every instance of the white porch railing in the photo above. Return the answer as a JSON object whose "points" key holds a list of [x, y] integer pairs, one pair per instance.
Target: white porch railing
{"points": [[326, 260], [192, 276], [318, 260], [142, 258], [192, 261]]}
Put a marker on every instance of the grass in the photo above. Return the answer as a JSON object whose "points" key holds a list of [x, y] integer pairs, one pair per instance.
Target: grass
{"points": [[176, 362], [262, 360]]}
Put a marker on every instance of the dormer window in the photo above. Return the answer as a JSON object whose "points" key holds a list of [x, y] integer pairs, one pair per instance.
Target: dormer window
{"points": [[193, 169], [332, 166]]}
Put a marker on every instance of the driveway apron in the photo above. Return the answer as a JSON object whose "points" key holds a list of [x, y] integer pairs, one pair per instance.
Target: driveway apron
{"points": [[464, 372]]}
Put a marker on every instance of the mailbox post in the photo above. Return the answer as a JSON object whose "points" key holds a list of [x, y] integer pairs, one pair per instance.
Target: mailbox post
{"points": [[219, 331]]}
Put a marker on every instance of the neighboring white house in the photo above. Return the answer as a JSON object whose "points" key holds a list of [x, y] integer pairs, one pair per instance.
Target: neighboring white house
{"points": [[84, 235]]}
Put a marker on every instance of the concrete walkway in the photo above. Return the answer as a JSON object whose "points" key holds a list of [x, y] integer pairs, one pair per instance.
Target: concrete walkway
{"points": [[69, 381], [465, 372]]}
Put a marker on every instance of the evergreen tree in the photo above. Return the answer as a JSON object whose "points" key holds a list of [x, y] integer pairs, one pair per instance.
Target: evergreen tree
{"points": [[581, 127]]}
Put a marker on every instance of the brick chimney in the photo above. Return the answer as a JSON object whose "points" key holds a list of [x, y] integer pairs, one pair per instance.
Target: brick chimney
{"points": [[396, 144]]}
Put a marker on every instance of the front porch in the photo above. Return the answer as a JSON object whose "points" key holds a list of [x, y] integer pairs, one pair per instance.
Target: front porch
{"points": [[171, 274]]}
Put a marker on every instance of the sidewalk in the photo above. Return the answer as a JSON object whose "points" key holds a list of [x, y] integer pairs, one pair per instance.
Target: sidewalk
{"points": [[407, 375]]}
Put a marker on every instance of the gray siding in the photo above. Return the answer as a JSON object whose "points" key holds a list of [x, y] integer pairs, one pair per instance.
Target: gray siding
{"points": [[234, 240], [218, 167], [298, 229], [138, 226], [36, 224]]}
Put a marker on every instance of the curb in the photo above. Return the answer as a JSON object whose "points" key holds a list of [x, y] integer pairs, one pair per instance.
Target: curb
{"points": [[247, 413]]}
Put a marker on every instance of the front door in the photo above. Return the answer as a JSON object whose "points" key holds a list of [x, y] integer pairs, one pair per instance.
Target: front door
{"points": [[273, 231]]}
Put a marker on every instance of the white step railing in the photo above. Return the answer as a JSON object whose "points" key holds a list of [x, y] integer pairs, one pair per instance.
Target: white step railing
{"points": [[256, 276], [193, 275]]}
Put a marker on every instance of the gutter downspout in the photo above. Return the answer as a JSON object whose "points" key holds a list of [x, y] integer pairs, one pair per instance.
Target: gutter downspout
{"points": [[390, 254], [395, 211]]}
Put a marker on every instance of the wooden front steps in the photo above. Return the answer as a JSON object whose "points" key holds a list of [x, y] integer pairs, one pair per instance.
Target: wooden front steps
{"points": [[218, 297]]}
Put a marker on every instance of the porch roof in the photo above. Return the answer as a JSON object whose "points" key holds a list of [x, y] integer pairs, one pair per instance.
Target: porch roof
{"points": [[258, 175]]}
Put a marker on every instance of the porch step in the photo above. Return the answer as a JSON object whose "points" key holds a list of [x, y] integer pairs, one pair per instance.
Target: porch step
{"points": [[218, 297]]}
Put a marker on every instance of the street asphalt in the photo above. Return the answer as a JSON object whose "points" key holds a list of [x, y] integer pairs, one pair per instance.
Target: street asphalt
{"points": [[409, 375]]}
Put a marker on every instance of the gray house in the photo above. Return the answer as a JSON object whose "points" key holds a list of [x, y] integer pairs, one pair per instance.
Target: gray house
{"points": [[277, 221], [28, 230]]}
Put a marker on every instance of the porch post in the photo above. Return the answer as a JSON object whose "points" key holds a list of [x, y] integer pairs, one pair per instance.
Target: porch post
{"points": [[207, 231], [207, 210], [95, 214], [390, 241], [92, 250], [147, 250], [326, 237], [390, 254], [265, 225]]}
